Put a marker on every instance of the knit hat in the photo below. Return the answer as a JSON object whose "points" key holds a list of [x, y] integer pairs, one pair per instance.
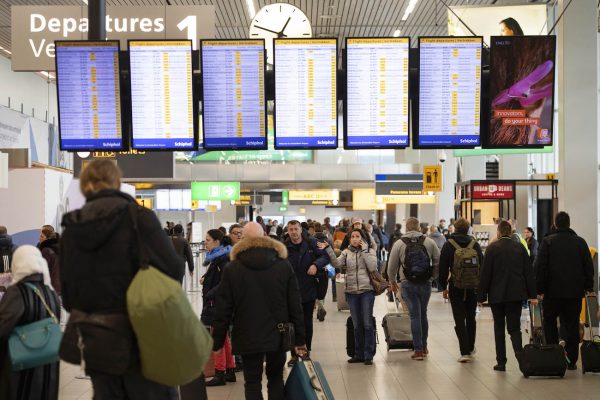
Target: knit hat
{"points": [[356, 219]]}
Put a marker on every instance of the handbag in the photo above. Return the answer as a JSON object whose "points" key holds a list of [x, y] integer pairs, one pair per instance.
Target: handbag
{"points": [[379, 284], [98, 342], [37, 343]]}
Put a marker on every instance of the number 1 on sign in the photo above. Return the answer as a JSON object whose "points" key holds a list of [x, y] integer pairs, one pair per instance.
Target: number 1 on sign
{"points": [[190, 23]]}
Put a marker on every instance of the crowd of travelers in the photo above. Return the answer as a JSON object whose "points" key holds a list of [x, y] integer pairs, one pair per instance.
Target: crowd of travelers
{"points": [[264, 280]]}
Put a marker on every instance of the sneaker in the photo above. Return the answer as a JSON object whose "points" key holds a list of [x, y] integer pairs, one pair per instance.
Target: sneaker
{"points": [[418, 356], [425, 352], [355, 360], [500, 367], [465, 358], [474, 351], [321, 313], [292, 362]]}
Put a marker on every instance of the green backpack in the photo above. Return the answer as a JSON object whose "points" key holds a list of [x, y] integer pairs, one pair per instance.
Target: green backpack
{"points": [[174, 345], [465, 270]]}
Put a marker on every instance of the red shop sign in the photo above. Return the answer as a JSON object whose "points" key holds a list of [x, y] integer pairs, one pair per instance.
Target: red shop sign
{"points": [[497, 190]]}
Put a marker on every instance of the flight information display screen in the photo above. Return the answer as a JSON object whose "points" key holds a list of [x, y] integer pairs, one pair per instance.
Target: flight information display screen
{"points": [[162, 109], [89, 95], [449, 91], [305, 93], [233, 79], [377, 93]]}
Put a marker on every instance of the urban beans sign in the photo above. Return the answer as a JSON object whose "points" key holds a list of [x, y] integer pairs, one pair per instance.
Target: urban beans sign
{"points": [[494, 191], [35, 28]]}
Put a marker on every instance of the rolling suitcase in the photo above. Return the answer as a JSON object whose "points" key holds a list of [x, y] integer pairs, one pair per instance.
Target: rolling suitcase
{"points": [[307, 382], [350, 345], [539, 358], [396, 327], [340, 290], [590, 349]]}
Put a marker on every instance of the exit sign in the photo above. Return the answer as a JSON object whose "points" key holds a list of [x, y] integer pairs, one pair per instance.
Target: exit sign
{"points": [[215, 190]]}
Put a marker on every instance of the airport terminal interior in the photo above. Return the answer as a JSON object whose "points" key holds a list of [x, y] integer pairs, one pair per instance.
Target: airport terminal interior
{"points": [[345, 118]]}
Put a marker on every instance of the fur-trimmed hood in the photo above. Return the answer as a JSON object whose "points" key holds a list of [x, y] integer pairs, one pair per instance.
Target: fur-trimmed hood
{"points": [[254, 243]]}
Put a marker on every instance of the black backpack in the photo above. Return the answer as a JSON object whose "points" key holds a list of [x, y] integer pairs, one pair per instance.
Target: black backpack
{"points": [[417, 264]]}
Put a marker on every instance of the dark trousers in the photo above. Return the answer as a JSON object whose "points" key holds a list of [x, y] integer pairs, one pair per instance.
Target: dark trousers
{"points": [[464, 308], [507, 315], [322, 286], [253, 371], [308, 309], [568, 311], [131, 386]]}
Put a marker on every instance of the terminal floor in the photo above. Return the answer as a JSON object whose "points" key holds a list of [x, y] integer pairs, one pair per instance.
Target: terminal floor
{"points": [[394, 376]]}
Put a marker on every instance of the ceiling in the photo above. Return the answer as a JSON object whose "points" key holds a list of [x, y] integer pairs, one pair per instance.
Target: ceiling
{"points": [[331, 18]]}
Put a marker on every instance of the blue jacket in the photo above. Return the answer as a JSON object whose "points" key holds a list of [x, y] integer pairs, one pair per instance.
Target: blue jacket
{"points": [[301, 257]]}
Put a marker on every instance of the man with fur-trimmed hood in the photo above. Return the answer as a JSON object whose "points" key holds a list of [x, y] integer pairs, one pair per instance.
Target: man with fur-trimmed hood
{"points": [[258, 291]]}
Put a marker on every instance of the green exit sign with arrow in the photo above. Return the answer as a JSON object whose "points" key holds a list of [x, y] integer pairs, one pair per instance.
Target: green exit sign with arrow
{"points": [[215, 190]]}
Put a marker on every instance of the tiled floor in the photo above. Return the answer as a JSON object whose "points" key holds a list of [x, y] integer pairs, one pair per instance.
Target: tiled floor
{"points": [[395, 377]]}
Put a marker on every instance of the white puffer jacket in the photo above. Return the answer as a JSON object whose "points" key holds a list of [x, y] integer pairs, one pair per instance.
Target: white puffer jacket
{"points": [[356, 264]]}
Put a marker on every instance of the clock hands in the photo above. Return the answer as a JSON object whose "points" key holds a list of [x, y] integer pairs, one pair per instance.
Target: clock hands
{"points": [[285, 26], [268, 30], [279, 34]]}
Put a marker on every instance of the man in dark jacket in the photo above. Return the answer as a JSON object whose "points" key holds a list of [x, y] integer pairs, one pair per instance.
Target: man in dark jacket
{"points": [[182, 247], [307, 260], [506, 281], [462, 301], [100, 254], [565, 272], [258, 291], [6, 249]]}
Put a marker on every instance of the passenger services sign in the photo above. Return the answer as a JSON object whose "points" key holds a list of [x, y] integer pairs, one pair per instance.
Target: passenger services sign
{"points": [[35, 28]]}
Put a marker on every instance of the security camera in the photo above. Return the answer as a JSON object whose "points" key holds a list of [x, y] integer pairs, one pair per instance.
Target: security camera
{"points": [[443, 156]]}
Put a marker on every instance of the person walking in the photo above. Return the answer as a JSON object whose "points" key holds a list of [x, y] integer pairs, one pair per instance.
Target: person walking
{"points": [[7, 248], [461, 259], [259, 291], [22, 305], [506, 281], [417, 257], [306, 260], [182, 247], [532, 243], [565, 273], [99, 256], [356, 262], [49, 246], [217, 258]]}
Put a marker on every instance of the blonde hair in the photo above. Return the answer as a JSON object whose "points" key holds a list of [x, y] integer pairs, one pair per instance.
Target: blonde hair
{"points": [[99, 175]]}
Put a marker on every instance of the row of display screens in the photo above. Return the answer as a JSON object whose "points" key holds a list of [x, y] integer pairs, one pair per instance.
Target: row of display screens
{"points": [[377, 107]]}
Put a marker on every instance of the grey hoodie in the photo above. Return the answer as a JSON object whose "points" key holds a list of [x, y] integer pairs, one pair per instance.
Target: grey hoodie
{"points": [[438, 238], [397, 256]]}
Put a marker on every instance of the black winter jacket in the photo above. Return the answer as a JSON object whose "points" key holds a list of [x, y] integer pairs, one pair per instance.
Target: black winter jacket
{"points": [[183, 248], [447, 258], [99, 253], [258, 290], [50, 250], [210, 287], [301, 257], [506, 275], [564, 267]]}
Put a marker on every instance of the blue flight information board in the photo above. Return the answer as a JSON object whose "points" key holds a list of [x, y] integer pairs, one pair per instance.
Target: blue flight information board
{"points": [[162, 109], [305, 93], [89, 95], [377, 93], [449, 91], [233, 105]]}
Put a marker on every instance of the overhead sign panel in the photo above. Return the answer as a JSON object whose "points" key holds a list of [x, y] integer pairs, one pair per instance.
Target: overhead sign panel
{"points": [[363, 199], [432, 178], [35, 28], [398, 184], [493, 191], [215, 190], [314, 197]]}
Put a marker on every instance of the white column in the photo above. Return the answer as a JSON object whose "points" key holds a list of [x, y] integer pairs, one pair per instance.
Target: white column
{"points": [[515, 167], [578, 116]]}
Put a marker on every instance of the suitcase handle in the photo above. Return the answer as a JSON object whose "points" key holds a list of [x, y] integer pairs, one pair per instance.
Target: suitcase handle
{"points": [[587, 306], [532, 321]]}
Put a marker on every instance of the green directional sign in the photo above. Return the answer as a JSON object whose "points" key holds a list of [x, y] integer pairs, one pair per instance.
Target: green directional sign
{"points": [[215, 190]]}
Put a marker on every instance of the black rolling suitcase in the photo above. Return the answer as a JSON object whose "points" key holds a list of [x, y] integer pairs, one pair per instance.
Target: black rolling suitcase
{"points": [[539, 358], [590, 349], [350, 346]]}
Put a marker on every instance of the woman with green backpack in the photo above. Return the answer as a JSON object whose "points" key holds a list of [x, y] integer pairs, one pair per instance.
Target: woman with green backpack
{"points": [[29, 299]]}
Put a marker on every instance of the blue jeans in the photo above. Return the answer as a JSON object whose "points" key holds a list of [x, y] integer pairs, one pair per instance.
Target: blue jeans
{"points": [[361, 310], [417, 297]]}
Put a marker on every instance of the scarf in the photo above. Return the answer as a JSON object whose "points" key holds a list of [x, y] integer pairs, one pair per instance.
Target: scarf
{"points": [[27, 260], [216, 253]]}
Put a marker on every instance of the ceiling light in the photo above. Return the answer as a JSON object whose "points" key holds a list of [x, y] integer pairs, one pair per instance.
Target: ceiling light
{"points": [[85, 2], [251, 9], [6, 51], [397, 33], [409, 9], [48, 75]]}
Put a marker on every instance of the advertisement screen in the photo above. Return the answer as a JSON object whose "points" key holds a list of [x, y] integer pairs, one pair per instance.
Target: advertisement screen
{"points": [[233, 106], [521, 91], [89, 95], [162, 109], [305, 93], [449, 112], [376, 93]]}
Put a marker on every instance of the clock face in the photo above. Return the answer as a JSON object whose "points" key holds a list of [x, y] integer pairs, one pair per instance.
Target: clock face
{"points": [[279, 21]]}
